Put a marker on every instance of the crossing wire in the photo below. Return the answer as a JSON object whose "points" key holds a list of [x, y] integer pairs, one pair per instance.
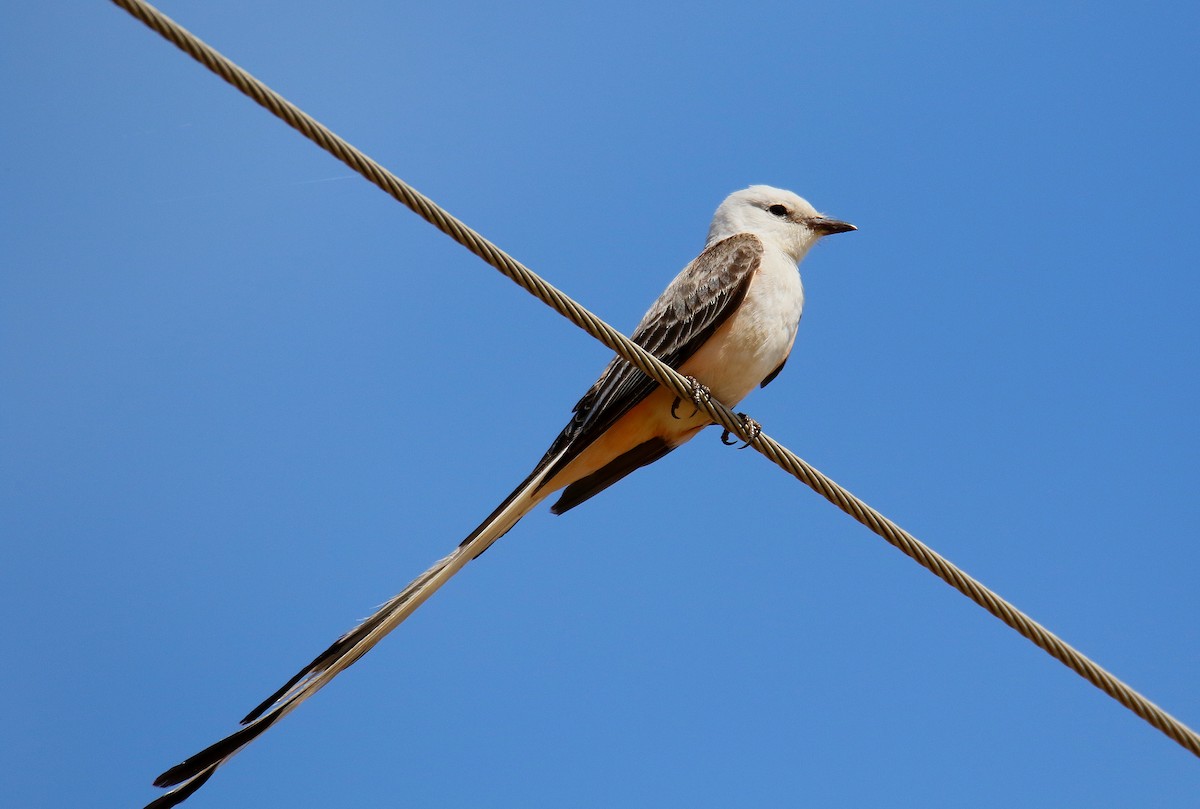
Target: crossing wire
{"points": [[661, 373]]}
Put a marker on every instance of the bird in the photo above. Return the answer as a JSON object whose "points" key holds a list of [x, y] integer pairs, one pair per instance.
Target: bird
{"points": [[727, 321]]}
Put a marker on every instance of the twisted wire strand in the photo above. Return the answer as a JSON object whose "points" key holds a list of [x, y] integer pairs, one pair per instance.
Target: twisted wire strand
{"points": [[661, 373]]}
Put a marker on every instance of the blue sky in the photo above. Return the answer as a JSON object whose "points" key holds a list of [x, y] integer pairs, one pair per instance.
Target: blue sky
{"points": [[246, 397]]}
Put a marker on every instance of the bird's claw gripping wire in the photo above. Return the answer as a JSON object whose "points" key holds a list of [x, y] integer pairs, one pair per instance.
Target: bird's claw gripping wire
{"points": [[752, 427], [700, 395]]}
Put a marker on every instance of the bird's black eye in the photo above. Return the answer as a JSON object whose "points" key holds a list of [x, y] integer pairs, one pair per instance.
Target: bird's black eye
{"points": [[778, 210]]}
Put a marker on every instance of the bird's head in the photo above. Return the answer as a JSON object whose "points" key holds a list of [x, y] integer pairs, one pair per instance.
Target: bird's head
{"points": [[776, 216]]}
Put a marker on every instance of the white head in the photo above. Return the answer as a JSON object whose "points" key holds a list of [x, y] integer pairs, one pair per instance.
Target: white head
{"points": [[778, 217]]}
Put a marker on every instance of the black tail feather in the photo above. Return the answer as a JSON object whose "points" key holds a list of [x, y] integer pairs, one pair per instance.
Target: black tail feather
{"points": [[189, 775], [214, 754], [339, 648], [319, 662], [178, 796]]}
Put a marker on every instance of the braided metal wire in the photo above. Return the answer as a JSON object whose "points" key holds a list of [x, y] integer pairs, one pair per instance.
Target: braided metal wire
{"points": [[661, 373]]}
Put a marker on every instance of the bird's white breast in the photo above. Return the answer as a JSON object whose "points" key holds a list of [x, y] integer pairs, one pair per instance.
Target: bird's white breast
{"points": [[757, 337]]}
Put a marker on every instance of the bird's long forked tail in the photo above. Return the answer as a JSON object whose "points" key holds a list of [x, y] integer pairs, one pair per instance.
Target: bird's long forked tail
{"points": [[190, 774]]}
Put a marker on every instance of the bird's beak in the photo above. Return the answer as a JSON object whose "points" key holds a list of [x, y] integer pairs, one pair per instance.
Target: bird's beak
{"points": [[825, 226]]}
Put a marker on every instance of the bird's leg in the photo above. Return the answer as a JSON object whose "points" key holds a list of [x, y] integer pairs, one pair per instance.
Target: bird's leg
{"points": [[700, 395], [751, 426]]}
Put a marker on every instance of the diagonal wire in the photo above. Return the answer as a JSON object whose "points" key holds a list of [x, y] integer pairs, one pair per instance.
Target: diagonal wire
{"points": [[661, 373]]}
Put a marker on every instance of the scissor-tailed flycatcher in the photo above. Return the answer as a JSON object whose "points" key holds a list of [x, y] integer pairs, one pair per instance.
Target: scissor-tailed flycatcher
{"points": [[728, 320]]}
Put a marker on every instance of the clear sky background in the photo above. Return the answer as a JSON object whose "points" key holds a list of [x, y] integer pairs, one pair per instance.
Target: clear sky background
{"points": [[246, 397]]}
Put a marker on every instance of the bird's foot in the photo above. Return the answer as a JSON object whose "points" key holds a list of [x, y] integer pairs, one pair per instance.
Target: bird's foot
{"points": [[752, 427], [700, 395]]}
